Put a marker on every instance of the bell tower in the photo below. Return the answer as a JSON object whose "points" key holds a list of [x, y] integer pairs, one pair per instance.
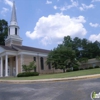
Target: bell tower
{"points": [[13, 30]]}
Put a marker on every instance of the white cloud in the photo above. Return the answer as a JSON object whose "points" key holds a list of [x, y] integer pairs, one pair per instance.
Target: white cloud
{"points": [[84, 7], [53, 28], [74, 4], [48, 2], [95, 0], [4, 10], [55, 7], [94, 25], [66, 6], [81, 8], [94, 37], [8, 2], [63, 8]]}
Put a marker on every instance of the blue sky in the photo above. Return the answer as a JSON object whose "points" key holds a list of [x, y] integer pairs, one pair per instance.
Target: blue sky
{"points": [[44, 23]]}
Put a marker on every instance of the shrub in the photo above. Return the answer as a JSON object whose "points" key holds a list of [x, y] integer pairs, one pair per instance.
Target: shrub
{"points": [[31, 66], [75, 68], [87, 68], [96, 67], [81, 68], [26, 74], [90, 67], [69, 70]]}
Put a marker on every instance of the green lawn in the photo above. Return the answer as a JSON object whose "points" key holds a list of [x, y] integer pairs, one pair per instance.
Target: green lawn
{"points": [[59, 75]]}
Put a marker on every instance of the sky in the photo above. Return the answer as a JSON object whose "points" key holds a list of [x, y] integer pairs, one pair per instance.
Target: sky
{"points": [[44, 23]]}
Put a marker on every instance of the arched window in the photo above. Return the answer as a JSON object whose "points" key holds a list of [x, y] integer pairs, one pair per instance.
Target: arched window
{"points": [[34, 59], [42, 63], [15, 31]]}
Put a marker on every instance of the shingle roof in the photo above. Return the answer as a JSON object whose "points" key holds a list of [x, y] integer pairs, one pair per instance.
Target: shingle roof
{"points": [[32, 49], [24, 48], [8, 48]]}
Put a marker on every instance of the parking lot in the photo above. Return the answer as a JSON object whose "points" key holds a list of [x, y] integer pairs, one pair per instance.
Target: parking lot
{"points": [[65, 90]]}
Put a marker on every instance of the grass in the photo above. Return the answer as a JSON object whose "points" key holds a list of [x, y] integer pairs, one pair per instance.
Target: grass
{"points": [[58, 75]]}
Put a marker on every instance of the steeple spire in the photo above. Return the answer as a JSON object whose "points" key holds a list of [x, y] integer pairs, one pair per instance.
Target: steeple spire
{"points": [[13, 16], [13, 30]]}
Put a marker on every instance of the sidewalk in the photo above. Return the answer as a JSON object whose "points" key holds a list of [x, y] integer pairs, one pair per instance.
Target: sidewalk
{"points": [[51, 80]]}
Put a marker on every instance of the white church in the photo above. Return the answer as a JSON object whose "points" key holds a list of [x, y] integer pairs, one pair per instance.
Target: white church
{"points": [[13, 55]]}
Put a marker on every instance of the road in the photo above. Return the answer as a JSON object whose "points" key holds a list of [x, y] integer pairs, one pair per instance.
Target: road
{"points": [[65, 90]]}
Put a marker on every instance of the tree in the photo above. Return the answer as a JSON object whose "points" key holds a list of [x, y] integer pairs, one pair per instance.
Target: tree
{"points": [[28, 68], [85, 48], [83, 60], [62, 58], [3, 31], [67, 41], [90, 49], [72, 53], [76, 45]]}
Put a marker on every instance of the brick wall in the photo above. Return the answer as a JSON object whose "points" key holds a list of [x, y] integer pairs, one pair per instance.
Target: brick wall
{"points": [[29, 58], [19, 64]]}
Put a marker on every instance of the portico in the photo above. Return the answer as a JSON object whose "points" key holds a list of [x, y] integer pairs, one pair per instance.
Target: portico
{"points": [[8, 64]]}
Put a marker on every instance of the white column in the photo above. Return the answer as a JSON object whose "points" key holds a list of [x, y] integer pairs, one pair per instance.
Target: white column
{"points": [[16, 65], [21, 63], [1, 68], [6, 67]]}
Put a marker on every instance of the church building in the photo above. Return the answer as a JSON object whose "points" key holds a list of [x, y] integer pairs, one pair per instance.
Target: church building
{"points": [[13, 55]]}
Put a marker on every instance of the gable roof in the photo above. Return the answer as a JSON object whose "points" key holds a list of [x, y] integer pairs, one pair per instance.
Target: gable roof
{"points": [[30, 49], [8, 48]]}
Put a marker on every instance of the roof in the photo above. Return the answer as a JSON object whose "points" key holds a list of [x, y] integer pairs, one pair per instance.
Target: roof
{"points": [[16, 48], [8, 48], [31, 49]]}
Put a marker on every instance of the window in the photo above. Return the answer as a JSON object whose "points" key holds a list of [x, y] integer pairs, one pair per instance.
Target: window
{"points": [[42, 63], [14, 58], [3, 61], [15, 31], [8, 59], [49, 66], [34, 58]]}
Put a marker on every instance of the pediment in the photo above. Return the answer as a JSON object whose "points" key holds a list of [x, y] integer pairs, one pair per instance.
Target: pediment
{"points": [[2, 49]]}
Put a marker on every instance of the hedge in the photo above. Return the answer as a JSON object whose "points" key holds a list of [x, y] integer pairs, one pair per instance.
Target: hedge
{"points": [[96, 66], [81, 69], [90, 67], [68, 70], [75, 68], [27, 74]]}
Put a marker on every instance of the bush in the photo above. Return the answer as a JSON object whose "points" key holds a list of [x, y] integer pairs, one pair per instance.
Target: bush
{"points": [[87, 68], [75, 68], [26, 74], [90, 67], [81, 68], [96, 67], [69, 70], [31, 66]]}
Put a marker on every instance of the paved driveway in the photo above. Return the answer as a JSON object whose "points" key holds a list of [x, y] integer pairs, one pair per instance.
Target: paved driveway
{"points": [[66, 90]]}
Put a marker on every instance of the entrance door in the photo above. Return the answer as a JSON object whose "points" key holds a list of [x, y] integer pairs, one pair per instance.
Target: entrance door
{"points": [[14, 71]]}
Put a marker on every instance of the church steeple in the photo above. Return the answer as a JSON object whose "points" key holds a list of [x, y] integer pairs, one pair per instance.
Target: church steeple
{"points": [[13, 30], [13, 16]]}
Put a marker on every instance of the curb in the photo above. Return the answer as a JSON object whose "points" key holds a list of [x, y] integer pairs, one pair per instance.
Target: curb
{"points": [[52, 80]]}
